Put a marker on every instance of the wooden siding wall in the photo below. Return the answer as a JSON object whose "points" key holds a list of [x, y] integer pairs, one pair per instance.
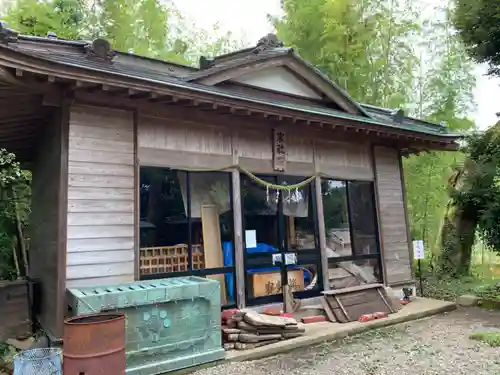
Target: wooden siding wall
{"points": [[344, 161], [164, 142], [393, 220], [46, 251], [101, 195]]}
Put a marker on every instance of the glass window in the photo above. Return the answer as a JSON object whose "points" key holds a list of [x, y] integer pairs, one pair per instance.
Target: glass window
{"points": [[260, 210], [186, 225], [350, 273], [299, 214], [336, 213], [164, 220], [362, 213], [351, 233]]}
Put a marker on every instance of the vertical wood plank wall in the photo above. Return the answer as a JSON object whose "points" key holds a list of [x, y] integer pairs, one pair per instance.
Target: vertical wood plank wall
{"points": [[168, 143], [45, 252], [101, 194], [393, 220]]}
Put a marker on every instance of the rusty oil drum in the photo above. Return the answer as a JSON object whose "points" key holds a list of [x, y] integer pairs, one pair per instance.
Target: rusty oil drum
{"points": [[94, 344]]}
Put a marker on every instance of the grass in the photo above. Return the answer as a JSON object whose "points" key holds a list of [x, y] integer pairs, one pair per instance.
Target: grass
{"points": [[490, 338], [448, 289], [483, 281]]}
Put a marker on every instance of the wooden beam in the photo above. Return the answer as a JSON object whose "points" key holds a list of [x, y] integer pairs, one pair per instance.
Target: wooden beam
{"points": [[87, 86], [239, 258], [137, 196], [405, 209], [156, 98], [7, 77], [62, 218], [322, 233], [138, 94], [115, 90]]}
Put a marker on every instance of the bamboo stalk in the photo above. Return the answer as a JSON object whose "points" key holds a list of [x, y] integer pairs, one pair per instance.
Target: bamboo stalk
{"points": [[16, 260], [19, 235]]}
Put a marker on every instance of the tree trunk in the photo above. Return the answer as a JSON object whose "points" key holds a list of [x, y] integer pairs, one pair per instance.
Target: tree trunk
{"points": [[457, 231]]}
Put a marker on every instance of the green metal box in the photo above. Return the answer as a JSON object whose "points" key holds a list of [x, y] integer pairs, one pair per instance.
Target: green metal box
{"points": [[170, 323]]}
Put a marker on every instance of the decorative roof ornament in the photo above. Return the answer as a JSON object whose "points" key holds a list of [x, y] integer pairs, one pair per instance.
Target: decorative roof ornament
{"points": [[398, 116], [100, 49], [269, 41], [205, 62], [7, 35]]}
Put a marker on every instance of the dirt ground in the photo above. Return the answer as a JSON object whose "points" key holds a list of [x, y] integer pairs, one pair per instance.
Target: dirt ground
{"points": [[436, 345]]}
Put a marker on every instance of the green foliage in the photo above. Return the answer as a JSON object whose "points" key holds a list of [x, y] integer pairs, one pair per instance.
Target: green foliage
{"points": [[445, 94], [491, 338], [12, 180], [150, 28], [478, 194], [337, 37], [450, 288], [34, 17], [489, 292], [478, 24]]}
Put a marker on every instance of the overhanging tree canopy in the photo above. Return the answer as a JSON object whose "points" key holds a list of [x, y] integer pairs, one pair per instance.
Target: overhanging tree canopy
{"points": [[478, 24]]}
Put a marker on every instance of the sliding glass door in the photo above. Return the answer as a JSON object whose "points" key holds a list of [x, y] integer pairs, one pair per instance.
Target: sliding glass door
{"points": [[352, 242], [280, 239]]}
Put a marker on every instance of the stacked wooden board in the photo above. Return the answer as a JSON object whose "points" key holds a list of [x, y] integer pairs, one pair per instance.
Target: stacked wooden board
{"points": [[349, 304], [248, 329]]}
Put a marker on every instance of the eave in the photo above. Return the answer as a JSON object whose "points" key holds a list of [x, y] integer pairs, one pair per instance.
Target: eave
{"points": [[43, 74]]}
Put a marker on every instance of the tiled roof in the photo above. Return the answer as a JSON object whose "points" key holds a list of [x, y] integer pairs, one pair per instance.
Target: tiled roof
{"points": [[374, 116]]}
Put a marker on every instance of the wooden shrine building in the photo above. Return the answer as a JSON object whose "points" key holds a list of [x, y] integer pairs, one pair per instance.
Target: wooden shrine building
{"points": [[254, 169]]}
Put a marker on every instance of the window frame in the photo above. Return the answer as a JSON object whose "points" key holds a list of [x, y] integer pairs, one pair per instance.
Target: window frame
{"points": [[355, 256], [206, 271], [252, 260]]}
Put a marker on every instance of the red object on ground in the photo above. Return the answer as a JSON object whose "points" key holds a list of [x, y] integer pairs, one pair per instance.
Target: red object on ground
{"points": [[94, 344], [314, 319], [286, 315], [275, 311], [228, 314], [380, 315], [369, 317], [404, 301], [366, 318]]}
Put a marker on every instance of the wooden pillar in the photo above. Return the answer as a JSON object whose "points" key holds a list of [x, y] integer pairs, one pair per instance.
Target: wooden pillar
{"points": [[137, 198], [238, 241], [405, 208], [322, 234]]}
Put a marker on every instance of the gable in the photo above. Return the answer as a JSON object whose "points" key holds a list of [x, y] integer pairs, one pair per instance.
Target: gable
{"points": [[278, 79], [281, 71]]}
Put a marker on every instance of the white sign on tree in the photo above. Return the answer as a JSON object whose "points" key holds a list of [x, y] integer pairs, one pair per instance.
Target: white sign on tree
{"points": [[418, 249]]}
